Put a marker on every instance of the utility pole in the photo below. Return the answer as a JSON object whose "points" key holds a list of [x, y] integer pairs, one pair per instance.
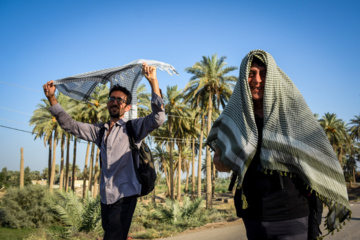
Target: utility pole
{"points": [[22, 168]]}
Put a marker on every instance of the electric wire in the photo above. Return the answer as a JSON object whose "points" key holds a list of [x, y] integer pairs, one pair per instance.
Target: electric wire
{"points": [[31, 89]]}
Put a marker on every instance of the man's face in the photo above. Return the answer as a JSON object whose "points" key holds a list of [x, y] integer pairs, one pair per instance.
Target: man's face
{"points": [[117, 110], [257, 77]]}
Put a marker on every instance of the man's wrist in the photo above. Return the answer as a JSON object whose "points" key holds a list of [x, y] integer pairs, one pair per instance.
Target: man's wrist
{"points": [[52, 100]]}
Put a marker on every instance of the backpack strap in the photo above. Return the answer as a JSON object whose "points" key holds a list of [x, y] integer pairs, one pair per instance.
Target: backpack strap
{"points": [[131, 134], [101, 135], [133, 147]]}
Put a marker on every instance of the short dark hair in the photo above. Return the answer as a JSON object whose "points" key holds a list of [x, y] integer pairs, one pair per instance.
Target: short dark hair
{"points": [[117, 87], [258, 62]]}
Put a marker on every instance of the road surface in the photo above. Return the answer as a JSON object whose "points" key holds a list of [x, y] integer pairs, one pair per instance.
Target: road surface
{"points": [[351, 231]]}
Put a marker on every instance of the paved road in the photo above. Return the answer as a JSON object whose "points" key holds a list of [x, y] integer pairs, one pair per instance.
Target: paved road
{"points": [[351, 231]]}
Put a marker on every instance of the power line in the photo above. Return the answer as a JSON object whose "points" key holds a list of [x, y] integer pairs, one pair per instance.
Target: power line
{"points": [[9, 109], [170, 139], [41, 91], [31, 89], [20, 130], [13, 110], [8, 120]]}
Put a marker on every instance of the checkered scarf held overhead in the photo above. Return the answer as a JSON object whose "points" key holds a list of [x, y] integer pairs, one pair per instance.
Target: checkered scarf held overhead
{"points": [[293, 141]]}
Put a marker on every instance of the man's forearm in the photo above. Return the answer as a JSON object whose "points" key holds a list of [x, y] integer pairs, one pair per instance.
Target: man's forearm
{"points": [[52, 100], [155, 88]]}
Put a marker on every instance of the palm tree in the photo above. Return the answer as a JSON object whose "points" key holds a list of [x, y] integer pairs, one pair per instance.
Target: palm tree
{"points": [[45, 125], [94, 111], [181, 129], [43, 121], [335, 130], [61, 183], [174, 107], [186, 155], [352, 150], [330, 123], [74, 166], [144, 102], [209, 77], [161, 156], [355, 128], [67, 169], [69, 105], [97, 173], [85, 169]]}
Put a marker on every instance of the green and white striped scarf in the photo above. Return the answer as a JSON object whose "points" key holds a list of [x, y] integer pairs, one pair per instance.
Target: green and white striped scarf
{"points": [[293, 141]]}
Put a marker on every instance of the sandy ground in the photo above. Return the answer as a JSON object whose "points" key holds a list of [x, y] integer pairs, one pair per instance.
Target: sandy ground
{"points": [[354, 196]]}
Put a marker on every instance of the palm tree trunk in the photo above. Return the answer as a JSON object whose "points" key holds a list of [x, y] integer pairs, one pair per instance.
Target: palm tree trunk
{"points": [[21, 167], [187, 181], [74, 167], [154, 194], [200, 156], [208, 159], [167, 171], [340, 156], [85, 169], [62, 162], [354, 177], [171, 160], [91, 165], [213, 178], [50, 154], [193, 168], [53, 163], [167, 177], [176, 177], [179, 174], [67, 163], [97, 173]]}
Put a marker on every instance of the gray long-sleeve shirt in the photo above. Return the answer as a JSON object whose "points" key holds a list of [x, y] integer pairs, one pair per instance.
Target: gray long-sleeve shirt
{"points": [[118, 178]]}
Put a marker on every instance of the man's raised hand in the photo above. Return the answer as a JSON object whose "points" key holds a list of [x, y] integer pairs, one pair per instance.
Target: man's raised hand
{"points": [[49, 90]]}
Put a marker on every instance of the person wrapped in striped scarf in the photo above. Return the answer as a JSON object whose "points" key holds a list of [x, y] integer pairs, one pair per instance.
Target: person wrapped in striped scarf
{"points": [[286, 167]]}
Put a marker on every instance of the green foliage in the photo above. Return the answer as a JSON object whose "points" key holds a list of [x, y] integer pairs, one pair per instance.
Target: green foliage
{"points": [[47, 234], [222, 185], [189, 213], [25, 208], [12, 178], [91, 215], [16, 234], [166, 219], [76, 214]]}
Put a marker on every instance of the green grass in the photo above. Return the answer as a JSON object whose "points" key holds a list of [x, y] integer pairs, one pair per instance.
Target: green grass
{"points": [[15, 234]]}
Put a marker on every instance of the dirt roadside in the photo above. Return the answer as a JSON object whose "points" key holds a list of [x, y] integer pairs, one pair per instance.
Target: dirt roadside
{"points": [[354, 196]]}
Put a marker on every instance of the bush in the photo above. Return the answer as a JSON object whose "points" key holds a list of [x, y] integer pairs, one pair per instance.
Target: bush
{"points": [[76, 214], [189, 214], [25, 208]]}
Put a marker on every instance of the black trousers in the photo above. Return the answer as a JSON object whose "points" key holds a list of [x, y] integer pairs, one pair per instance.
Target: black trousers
{"points": [[296, 229], [116, 218]]}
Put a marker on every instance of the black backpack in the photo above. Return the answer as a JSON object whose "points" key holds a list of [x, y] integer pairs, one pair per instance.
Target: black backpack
{"points": [[146, 173]]}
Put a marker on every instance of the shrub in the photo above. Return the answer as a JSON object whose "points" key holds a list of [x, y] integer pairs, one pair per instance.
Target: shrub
{"points": [[77, 215], [25, 207], [188, 214]]}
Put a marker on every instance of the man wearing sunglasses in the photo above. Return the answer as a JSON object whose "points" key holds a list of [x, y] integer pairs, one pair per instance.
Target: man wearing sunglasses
{"points": [[119, 187]]}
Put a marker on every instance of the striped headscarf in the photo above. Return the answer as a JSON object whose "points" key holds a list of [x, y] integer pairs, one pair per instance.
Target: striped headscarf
{"points": [[293, 141]]}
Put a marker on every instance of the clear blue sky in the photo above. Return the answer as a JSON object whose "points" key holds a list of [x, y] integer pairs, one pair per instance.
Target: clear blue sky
{"points": [[316, 43]]}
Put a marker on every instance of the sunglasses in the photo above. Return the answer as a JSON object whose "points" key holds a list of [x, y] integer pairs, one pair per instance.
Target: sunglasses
{"points": [[119, 100]]}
